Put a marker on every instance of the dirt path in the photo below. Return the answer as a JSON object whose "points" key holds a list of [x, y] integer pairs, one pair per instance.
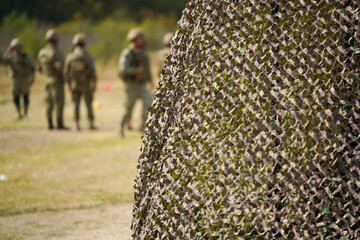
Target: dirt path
{"points": [[107, 222], [109, 174]]}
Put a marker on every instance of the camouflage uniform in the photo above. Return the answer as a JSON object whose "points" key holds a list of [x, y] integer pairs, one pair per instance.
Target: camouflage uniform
{"points": [[81, 76], [356, 55], [21, 74], [51, 63], [135, 84]]}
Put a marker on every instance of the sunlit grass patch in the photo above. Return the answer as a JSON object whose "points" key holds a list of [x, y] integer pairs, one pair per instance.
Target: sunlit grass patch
{"points": [[55, 170]]}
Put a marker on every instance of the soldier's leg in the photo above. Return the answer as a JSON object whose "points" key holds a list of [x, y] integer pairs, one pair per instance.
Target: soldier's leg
{"points": [[147, 101], [76, 99], [24, 93], [26, 103], [60, 102], [135, 95], [130, 127], [49, 106], [88, 101], [129, 99], [16, 99]]}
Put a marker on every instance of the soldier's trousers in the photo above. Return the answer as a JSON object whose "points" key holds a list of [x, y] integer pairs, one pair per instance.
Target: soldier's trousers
{"points": [[16, 99], [20, 88], [55, 98], [134, 91], [18, 92], [88, 95]]}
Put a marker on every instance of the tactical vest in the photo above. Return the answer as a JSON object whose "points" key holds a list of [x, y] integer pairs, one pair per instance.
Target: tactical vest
{"points": [[20, 66], [136, 61]]}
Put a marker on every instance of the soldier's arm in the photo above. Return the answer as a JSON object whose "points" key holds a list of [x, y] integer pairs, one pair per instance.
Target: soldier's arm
{"points": [[93, 77], [38, 65], [5, 59], [91, 65], [93, 80], [31, 70], [66, 73], [147, 69], [125, 64], [58, 63]]}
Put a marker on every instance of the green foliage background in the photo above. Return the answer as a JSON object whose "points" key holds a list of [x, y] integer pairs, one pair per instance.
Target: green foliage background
{"points": [[64, 10], [106, 23]]}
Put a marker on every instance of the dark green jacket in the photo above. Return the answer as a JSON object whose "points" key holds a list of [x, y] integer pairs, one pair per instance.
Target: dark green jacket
{"points": [[129, 63], [51, 62], [22, 68]]}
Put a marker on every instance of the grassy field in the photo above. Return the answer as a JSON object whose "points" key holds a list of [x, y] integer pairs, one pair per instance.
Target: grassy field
{"points": [[58, 170]]}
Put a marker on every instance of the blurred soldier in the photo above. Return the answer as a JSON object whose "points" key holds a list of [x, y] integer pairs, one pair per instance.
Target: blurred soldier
{"points": [[134, 70], [81, 77], [163, 53], [21, 74], [51, 64]]}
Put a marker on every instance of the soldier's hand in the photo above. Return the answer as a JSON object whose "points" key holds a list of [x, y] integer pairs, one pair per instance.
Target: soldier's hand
{"points": [[93, 88], [31, 81], [70, 88], [8, 50]]}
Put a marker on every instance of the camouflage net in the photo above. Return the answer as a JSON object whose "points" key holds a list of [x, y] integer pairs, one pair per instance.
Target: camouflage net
{"points": [[254, 131]]}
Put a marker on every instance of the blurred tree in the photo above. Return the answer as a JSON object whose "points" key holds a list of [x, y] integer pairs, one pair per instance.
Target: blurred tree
{"points": [[63, 10], [157, 6]]}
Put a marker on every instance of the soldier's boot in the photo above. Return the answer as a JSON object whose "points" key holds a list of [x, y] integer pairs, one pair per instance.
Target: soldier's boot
{"points": [[20, 116], [77, 124], [26, 110], [91, 125], [60, 125], [50, 124], [17, 105], [121, 131]]}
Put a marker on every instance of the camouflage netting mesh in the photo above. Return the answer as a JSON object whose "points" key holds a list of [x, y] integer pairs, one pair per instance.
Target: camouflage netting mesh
{"points": [[254, 131]]}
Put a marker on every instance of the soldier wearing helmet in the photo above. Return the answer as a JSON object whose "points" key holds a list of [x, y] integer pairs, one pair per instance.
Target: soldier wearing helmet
{"points": [[134, 70], [15, 43], [79, 40], [80, 75], [163, 53], [21, 73], [51, 63], [51, 36]]}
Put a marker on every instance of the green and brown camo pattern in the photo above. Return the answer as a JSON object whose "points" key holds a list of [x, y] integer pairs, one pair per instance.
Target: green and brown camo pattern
{"points": [[254, 130]]}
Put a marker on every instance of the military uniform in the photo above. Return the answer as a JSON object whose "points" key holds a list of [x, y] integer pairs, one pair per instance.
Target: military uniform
{"points": [[21, 74], [81, 76], [51, 62], [135, 84]]}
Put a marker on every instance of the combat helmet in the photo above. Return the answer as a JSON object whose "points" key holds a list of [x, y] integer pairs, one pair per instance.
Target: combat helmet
{"points": [[135, 33], [51, 35], [15, 43], [167, 38], [79, 39]]}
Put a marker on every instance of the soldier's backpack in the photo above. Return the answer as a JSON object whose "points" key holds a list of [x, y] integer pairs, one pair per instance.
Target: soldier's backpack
{"points": [[80, 67]]}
